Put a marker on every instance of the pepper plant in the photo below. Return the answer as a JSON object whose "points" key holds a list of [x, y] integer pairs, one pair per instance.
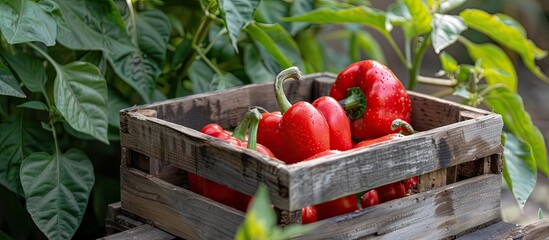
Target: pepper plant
{"points": [[68, 67]]}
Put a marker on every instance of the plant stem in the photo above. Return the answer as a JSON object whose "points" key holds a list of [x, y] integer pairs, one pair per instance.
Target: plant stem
{"points": [[283, 103], [416, 65], [133, 20], [443, 93], [198, 51], [198, 38], [437, 81], [408, 51], [212, 41], [45, 55], [396, 49], [488, 89]]}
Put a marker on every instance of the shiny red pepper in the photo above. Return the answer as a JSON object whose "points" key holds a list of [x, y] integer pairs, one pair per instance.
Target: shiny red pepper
{"points": [[373, 97], [308, 215], [304, 129], [369, 199], [219, 192]]}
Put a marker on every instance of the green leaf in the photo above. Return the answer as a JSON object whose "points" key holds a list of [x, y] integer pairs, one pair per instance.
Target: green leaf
{"points": [[182, 53], [540, 214], [96, 58], [201, 75], [278, 42], [519, 123], [17, 141], [8, 84], [446, 29], [116, 102], [29, 69], [506, 35], [57, 189], [98, 25], [361, 40], [519, 168], [494, 57], [297, 8], [271, 11], [80, 94], [362, 15], [449, 5], [28, 21], [254, 67], [153, 33], [236, 14], [462, 92], [399, 15], [36, 105], [311, 50], [421, 18], [260, 221], [227, 80], [449, 64]]}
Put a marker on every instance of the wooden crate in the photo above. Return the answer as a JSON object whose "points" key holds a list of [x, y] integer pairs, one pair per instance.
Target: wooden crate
{"points": [[457, 154]]}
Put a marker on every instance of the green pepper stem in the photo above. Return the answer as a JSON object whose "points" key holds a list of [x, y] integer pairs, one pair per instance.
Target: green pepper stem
{"points": [[251, 123], [291, 72], [255, 117], [355, 103], [407, 129]]}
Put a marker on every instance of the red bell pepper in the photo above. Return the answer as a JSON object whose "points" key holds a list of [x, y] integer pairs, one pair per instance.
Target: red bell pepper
{"points": [[304, 129], [308, 215], [368, 199], [219, 192], [373, 97]]}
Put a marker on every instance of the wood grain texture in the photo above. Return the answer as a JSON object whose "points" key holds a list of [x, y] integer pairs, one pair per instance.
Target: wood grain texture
{"points": [[435, 214], [176, 210], [141, 232]]}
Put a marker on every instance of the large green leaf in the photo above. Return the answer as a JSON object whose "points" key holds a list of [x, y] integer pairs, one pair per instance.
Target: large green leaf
{"points": [[519, 123], [399, 15], [363, 41], [8, 83], [312, 50], [28, 21], [421, 17], [297, 8], [29, 69], [519, 168], [446, 30], [153, 33], [98, 25], [80, 94], [362, 15], [224, 81], [493, 57], [201, 75], [254, 67], [508, 35], [57, 189], [278, 42], [448, 63], [236, 14], [449, 5], [116, 103], [17, 141]]}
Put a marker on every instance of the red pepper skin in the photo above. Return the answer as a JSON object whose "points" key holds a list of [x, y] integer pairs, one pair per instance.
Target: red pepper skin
{"points": [[391, 191], [340, 131], [379, 140], [411, 183], [268, 134], [303, 128], [369, 199], [308, 215], [386, 98]]}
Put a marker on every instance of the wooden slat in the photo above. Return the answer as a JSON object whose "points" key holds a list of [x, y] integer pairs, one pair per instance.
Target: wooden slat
{"points": [[175, 209], [356, 170], [435, 214], [142, 232]]}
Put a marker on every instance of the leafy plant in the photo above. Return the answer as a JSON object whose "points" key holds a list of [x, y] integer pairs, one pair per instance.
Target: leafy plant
{"points": [[68, 67]]}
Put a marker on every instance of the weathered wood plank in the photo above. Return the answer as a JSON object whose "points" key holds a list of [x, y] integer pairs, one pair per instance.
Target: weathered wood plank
{"points": [[352, 171], [175, 209], [141, 232], [435, 214]]}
